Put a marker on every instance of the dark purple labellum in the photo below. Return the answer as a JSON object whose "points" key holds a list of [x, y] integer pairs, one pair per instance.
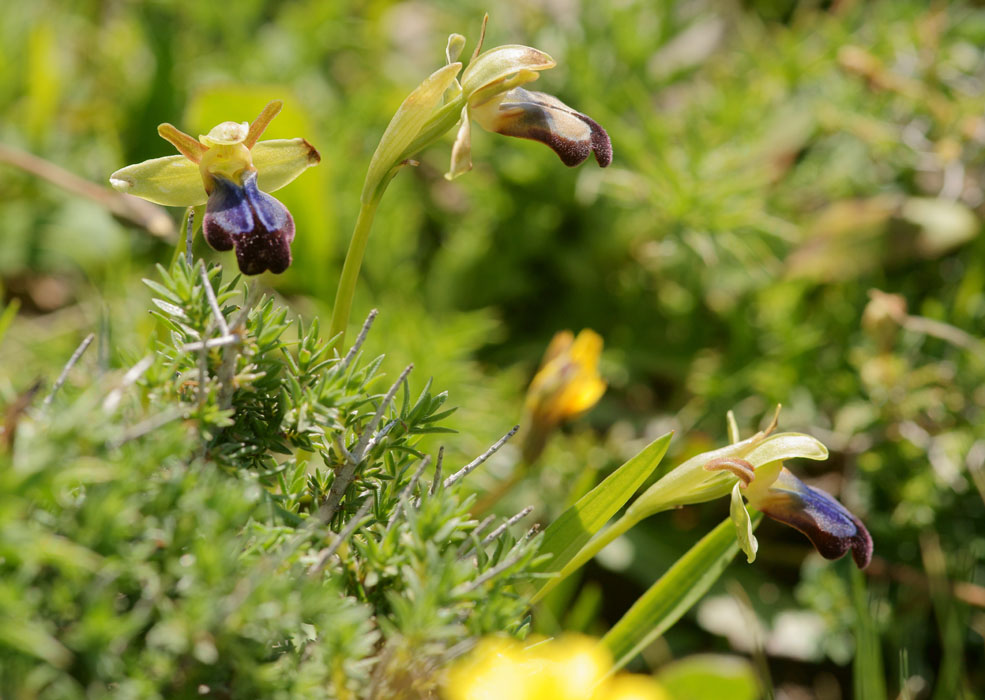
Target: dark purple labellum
{"points": [[831, 528], [257, 225], [536, 115]]}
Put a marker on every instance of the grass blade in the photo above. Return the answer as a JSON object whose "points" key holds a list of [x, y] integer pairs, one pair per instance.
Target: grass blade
{"points": [[867, 671], [674, 593], [565, 537]]}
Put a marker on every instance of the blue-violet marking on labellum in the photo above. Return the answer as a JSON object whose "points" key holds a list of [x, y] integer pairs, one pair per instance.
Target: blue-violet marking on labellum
{"points": [[831, 528], [259, 226], [774, 490], [228, 170]]}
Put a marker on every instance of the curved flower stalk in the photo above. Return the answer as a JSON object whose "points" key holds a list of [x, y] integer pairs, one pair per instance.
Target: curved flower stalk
{"points": [[572, 667], [229, 171], [489, 92], [752, 467]]}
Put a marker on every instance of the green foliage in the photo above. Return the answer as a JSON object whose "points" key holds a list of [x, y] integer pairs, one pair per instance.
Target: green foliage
{"points": [[172, 530], [570, 532], [709, 676], [674, 593], [767, 175]]}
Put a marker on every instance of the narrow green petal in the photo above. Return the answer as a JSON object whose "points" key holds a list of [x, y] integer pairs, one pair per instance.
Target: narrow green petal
{"points": [[456, 42], [406, 124], [743, 525], [461, 152], [173, 181], [500, 62], [279, 161], [733, 428]]}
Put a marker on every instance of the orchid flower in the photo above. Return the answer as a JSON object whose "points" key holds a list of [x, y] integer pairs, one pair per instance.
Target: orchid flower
{"points": [[230, 172], [771, 488], [775, 491], [490, 87], [489, 92], [754, 468]]}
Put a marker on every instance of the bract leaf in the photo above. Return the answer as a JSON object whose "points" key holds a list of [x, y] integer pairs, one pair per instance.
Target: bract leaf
{"points": [[674, 593]]}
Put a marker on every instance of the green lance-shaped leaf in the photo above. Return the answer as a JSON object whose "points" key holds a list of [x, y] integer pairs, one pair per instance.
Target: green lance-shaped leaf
{"points": [[674, 593], [566, 536]]}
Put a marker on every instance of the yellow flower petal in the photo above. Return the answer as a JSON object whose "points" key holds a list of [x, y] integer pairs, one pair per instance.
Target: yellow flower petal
{"points": [[583, 393], [587, 348], [575, 664], [173, 181], [567, 382], [406, 124], [501, 62], [495, 669], [560, 343], [279, 161], [632, 686]]}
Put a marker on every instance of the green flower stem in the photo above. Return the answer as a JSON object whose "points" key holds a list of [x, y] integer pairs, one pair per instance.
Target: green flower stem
{"points": [[597, 544], [674, 593], [373, 190], [186, 236], [677, 488], [350, 272]]}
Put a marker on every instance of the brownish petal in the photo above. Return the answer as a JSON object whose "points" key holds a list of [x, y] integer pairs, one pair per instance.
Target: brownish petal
{"points": [[542, 117], [831, 528]]}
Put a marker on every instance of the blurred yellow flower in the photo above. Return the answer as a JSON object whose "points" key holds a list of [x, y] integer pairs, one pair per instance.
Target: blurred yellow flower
{"points": [[573, 667], [566, 385]]}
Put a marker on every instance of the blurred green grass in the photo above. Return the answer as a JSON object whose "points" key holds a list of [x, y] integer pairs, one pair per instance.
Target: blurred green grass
{"points": [[774, 161]]}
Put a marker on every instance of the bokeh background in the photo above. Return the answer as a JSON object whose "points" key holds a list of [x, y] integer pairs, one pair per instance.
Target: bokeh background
{"points": [[775, 163]]}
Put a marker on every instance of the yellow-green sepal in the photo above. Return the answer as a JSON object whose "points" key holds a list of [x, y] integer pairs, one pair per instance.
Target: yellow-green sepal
{"points": [[501, 62], [279, 161], [461, 151], [781, 446], [743, 524], [456, 42], [173, 181], [411, 116]]}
